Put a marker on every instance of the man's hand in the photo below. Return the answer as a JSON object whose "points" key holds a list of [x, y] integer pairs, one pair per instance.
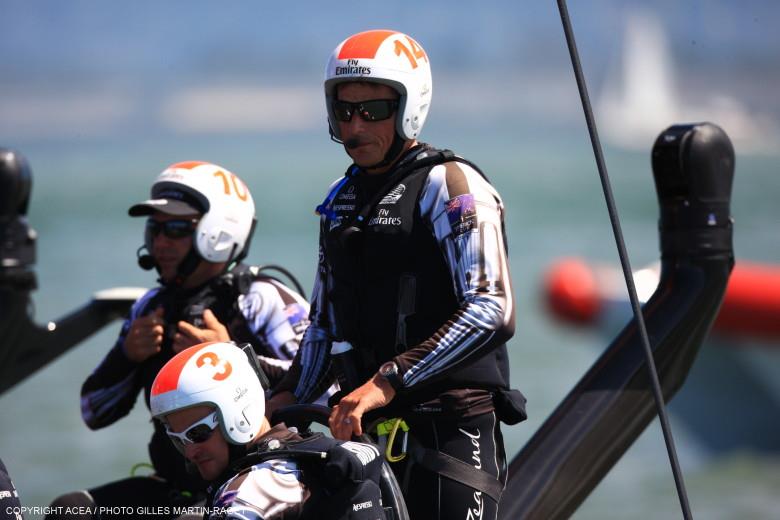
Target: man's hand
{"points": [[189, 335], [345, 419], [144, 339]]}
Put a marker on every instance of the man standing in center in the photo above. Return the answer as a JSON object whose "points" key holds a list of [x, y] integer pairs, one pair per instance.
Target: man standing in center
{"points": [[413, 282]]}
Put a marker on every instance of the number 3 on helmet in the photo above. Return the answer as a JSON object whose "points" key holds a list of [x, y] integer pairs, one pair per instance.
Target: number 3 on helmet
{"points": [[214, 374], [388, 57]]}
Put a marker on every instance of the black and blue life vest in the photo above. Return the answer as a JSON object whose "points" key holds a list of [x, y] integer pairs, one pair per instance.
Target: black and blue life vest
{"points": [[388, 268]]}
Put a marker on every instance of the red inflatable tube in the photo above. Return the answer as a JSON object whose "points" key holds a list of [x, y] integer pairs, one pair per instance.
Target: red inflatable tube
{"points": [[575, 292]]}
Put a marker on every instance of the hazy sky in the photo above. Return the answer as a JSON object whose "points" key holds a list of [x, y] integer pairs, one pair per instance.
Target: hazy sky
{"points": [[120, 69]]}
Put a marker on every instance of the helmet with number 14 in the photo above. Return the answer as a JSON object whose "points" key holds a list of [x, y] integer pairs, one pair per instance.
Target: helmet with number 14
{"points": [[390, 58]]}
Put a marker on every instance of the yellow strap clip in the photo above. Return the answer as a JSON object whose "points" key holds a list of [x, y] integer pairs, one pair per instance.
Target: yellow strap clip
{"points": [[389, 428]]}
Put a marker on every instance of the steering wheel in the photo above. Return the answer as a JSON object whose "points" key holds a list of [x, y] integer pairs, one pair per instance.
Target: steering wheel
{"points": [[301, 416]]}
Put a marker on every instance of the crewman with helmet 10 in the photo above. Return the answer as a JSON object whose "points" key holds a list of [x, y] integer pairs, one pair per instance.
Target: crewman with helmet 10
{"points": [[412, 292], [199, 223]]}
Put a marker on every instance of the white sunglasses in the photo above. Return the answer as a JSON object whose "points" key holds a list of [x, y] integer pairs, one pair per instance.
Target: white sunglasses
{"points": [[196, 433]]}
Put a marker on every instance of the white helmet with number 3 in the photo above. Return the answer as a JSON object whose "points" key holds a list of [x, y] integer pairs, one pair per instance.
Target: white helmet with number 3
{"points": [[388, 57], [227, 209], [216, 374]]}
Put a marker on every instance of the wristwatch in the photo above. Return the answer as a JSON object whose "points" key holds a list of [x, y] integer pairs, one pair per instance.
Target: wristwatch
{"points": [[389, 371]]}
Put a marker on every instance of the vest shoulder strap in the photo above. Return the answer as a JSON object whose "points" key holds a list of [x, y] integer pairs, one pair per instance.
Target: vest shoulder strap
{"points": [[427, 158], [241, 277], [260, 273]]}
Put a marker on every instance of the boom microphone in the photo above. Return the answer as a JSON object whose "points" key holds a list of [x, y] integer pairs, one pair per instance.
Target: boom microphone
{"points": [[353, 142], [147, 261]]}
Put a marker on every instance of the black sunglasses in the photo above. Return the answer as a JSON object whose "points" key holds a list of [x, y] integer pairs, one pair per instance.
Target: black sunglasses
{"points": [[372, 110], [171, 228]]}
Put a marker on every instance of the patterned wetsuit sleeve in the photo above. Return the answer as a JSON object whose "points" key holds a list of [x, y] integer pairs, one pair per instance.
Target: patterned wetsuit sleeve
{"points": [[466, 215], [314, 360], [110, 392], [277, 316], [9, 496], [272, 489]]}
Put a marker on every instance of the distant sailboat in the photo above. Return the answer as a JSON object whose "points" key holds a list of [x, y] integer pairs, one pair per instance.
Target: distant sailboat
{"points": [[640, 96]]}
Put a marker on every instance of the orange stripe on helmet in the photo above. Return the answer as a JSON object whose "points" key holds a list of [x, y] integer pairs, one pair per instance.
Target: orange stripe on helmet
{"points": [[168, 377], [364, 45], [187, 165]]}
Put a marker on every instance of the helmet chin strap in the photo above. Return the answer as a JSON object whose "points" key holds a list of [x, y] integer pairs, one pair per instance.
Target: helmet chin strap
{"points": [[186, 267], [332, 135], [236, 452], [192, 261]]}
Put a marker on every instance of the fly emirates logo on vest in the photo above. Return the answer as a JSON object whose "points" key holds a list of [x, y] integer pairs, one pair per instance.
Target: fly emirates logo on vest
{"points": [[384, 216]]}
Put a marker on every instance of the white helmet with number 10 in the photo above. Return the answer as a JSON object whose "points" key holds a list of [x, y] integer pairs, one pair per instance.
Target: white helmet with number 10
{"points": [[388, 57], [221, 198]]}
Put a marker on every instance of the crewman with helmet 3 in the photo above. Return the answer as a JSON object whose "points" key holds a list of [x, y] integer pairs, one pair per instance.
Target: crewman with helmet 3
{"points": [[211, 402], [200, 220], [413, 284]]}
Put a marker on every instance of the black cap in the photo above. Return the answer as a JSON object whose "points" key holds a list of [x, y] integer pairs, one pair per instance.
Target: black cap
{"points": [[169, 200]]}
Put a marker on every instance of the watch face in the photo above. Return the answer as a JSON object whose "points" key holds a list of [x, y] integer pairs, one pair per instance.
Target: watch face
{"points": [[388, 369]]}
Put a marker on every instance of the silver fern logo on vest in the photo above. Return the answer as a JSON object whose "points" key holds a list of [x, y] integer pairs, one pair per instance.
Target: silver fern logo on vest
{"points": [[393, 195]]}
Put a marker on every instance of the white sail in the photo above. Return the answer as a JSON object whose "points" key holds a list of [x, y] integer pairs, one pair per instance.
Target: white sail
{"points": [[641, 96]]}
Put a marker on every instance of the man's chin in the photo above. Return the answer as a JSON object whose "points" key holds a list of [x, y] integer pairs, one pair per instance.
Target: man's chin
{"points": [[208, 470], [363, 157], [167, 274]]}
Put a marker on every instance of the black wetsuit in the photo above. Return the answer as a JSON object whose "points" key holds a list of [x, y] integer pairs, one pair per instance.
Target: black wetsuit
{"points": [[10, 506]]}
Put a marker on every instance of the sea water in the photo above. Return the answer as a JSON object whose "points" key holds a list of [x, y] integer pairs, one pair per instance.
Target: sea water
{"points": [[554, 208]]}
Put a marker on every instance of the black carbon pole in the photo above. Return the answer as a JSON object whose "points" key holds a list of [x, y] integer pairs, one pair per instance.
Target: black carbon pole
{"points": [[624, 261]]}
